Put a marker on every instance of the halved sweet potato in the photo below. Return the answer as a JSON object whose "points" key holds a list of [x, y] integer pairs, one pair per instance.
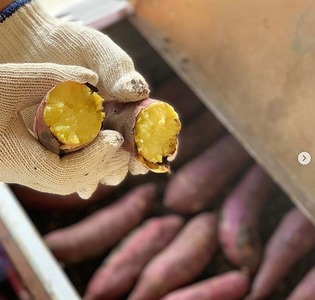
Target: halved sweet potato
{"points": [[69, 117]]}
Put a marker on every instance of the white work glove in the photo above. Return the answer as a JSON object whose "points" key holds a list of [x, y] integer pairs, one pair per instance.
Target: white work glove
{"points": [[38, 51]]}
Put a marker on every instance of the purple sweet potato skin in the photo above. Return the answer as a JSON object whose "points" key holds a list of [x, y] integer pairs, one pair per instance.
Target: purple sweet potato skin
{"points": [[305, 290], [181, 261], [238, 226], [42, 131], [232, 285], [122, 118], [120, 270], [102, 230], [293, 238], [195, 185]]}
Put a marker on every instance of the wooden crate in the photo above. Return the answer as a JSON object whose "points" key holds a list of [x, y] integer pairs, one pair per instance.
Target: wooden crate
{"points": [[252, 64], [237, 58]]}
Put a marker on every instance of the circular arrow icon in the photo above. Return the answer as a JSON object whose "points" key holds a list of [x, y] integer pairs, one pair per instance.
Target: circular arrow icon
{"points": [[304, 158]]}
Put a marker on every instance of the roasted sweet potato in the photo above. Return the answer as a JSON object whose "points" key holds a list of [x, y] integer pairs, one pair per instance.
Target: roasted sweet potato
{"points": [[181, 261], [69, 117], [293, 238], [195, 185], [150, 128], [122, 267], [232, 285], [238, 225], [103, 229]]}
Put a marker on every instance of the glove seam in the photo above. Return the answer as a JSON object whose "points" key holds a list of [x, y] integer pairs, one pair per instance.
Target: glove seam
{"points": [[11, 9]]}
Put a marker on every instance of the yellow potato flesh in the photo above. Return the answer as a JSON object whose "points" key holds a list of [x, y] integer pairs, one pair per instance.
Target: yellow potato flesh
{"points": [[74, 114], [156, 131]]}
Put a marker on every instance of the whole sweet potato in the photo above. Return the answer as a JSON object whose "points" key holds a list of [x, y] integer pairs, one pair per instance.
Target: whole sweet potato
{"points": [[195, 185], [293, 238], [58, 203], [232, 285], [120, 270], [238, 226], [181, 261], [103, 229]]}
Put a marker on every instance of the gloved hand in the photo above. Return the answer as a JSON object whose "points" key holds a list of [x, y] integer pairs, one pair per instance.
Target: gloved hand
{"points": [[37, 51]]}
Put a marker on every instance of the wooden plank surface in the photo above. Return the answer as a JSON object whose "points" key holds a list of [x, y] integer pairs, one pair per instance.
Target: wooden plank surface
{"points": [[252, 62]]}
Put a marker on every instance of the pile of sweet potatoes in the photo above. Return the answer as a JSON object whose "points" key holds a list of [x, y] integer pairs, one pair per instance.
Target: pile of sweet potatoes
{"points": [[194, 234]]}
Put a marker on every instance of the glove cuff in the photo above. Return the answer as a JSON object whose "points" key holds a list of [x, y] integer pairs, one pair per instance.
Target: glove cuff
{"points": [[22, 30], [12, 8]]}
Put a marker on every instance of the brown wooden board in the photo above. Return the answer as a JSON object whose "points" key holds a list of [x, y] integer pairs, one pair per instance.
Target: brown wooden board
{"points": [[252, 62]]}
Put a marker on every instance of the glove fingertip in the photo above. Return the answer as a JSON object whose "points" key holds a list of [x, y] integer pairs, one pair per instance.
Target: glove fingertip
{"points": [[130, 87], [90, 77], [87, 192], [109, 139], [136, 168], [82, 75]]}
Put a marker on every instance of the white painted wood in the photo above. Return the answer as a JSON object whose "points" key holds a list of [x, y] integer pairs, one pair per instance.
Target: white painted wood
{"points": [[94, 13], [52, 277]]}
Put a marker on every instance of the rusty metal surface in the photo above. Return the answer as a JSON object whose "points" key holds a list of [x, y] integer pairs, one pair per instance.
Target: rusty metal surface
{"points": [[252, 63]]}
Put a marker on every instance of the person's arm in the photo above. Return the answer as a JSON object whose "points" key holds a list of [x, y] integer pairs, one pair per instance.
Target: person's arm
{"points": [[5, 3]]}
